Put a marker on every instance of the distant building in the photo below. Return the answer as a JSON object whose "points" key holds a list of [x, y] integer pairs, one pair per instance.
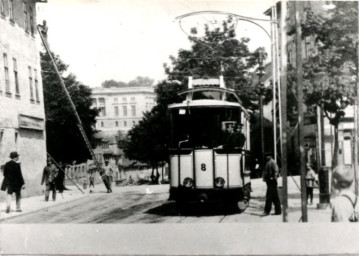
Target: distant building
{"points": [[22, 115], [120, 109]]}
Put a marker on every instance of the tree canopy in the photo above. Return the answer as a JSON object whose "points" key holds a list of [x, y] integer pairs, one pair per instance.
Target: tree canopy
{"points": [[330, 74], [138, 81], [219, 52], [216, 53], [64, 140]]}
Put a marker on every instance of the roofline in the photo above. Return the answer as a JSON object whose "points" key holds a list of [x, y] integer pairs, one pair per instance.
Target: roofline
{"points": [[208, 104]]}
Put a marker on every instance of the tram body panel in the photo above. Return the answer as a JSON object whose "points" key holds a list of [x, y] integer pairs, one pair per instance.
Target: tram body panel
{"points": [[221, 167], [181, 170], [234, 165], [203, 168]]}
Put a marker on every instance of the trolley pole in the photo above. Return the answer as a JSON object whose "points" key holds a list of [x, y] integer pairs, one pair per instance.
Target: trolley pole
{"points": [[79, 122], [283, 126], [298, 35]]}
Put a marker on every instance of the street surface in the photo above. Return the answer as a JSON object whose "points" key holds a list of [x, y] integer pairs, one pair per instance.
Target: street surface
{"points": [[149, 204]]}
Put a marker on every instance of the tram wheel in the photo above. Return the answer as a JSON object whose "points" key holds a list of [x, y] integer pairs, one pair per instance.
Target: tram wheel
{"points": [[181, 207], [242, 205]]}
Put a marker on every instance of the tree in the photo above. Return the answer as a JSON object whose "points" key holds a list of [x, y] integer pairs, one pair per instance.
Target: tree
{"points": [[113, 84], [330, 76], [139, 81], [64, 140], [147, 141], [216, 53]]}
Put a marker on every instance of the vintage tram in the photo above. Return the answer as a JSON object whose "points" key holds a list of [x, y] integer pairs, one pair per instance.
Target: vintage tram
{"points": [[202, 167]]}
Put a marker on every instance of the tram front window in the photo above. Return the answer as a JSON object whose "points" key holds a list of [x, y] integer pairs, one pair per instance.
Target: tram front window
{"points": [[201, 127]]}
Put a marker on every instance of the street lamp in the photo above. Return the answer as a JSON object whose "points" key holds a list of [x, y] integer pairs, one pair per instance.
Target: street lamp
{"points": [[261, 56]]}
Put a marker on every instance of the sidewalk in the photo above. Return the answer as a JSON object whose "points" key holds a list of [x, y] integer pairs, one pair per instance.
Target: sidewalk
{"points": [[35, 203]]}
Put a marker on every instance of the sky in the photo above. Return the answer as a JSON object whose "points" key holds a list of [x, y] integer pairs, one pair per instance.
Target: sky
{"points": [[122, 39]]}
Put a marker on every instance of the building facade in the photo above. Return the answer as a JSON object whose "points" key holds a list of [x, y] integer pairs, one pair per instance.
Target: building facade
{"points": [[22, 115], [120, 109]]}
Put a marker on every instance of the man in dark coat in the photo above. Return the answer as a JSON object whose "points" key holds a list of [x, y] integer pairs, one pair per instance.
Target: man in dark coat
{"points": [[270, 175], [48, 177], [14, 181]]}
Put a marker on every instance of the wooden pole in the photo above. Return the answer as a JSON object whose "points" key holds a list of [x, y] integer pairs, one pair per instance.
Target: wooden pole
{"points": [[298, 36], [283, 107]]}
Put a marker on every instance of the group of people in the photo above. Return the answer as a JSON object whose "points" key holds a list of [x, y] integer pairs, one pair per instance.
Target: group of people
{"points": [[345, 206], [234, 138], [13, 181]]}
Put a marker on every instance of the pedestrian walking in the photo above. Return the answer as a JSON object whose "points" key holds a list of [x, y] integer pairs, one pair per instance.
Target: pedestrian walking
{"points": [[108, 176], [310, 180], [92, 179], [270, 175], [60, 179], [345, 206], [13, 181], [48, 177]]}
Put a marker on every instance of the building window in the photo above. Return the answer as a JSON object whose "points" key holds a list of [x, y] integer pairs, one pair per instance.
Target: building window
{"points": [[11, 10], [133, 123], [2, 7], [309, 49], [133, 110], [36, 87], [7, 80], [16, 136], [102, 106], [124, 110], [32, 30], [124, 99], [94, 102], [116, 123], [26, 16], [116, 111], [124, 123], [115, 99], [17, 89], [133, 99], [31, 86], [289, 53], [101, 124], [1, 134]]}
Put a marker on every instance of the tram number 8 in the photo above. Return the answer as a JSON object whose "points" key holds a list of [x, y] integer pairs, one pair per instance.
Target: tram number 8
{"points": [[203, 167]]}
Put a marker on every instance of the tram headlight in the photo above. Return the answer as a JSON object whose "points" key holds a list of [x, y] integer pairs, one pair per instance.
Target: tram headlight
{"points": [[188, 182], [219, 182]]}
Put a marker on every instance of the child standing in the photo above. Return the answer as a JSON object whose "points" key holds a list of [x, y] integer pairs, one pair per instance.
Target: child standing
{"points": [[310, 179]]}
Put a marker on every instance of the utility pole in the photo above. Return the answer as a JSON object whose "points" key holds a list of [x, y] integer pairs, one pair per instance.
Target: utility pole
{"points": [[283, 90], [261, 88], [298, 35], [356, 119]]}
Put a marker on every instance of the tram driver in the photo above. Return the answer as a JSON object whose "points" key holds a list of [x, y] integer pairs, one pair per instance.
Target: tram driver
{"points": [[234, 138]]}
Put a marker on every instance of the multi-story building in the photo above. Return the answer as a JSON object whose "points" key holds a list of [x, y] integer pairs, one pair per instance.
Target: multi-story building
{"points": [[22, 115], [120, 109]]}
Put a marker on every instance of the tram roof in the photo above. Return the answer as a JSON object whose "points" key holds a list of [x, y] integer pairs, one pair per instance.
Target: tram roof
{"points": [[208, 104]]}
